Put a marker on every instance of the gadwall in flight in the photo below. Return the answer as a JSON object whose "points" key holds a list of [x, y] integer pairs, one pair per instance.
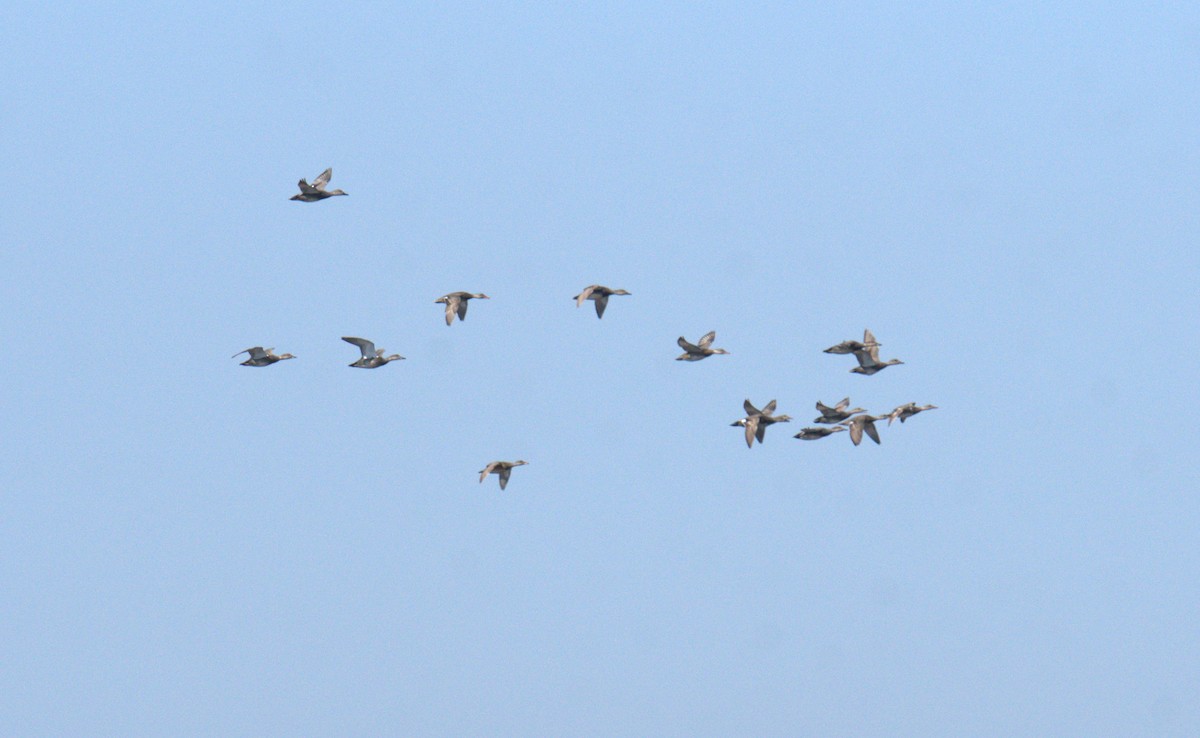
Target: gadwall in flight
{"points": [[456, 302], [260, 356], [502, 468], [371, 358], [702, 349], [756, 421], [860, 423], [837, 413], [598, 293], [316, 190], [812, 434], [869, 363], [849, 347], [906, 411]]}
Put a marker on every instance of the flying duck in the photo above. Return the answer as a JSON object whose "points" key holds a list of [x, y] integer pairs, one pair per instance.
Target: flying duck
{"points": [[371, 358], [756, 421], [502, 468], [837, 413], [702, 349], [456, 302], [316, 190], [260, 356], [598, 293], [906, 411]]}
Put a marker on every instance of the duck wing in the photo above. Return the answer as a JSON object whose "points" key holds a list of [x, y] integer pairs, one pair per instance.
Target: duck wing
{"points": [[306, 188], [601, 303], [451, 307], [751, 411], [707, 339], [688, 347], [899, 412], [768, 408], [845, 347], [366, 347], [869, 427], [505, 473], [869, 337], [868, 357], [256, 352], [462, 308], [323, 179], [587, 292], [751, 430], [486, 471]]}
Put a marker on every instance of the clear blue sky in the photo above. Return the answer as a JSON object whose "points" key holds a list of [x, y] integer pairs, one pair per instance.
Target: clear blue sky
{"points": [[1006, 195]]}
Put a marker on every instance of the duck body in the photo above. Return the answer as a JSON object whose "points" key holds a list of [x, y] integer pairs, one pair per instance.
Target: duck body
{"points": [[456, 304], [813, 434], [599, 294], [875, 368], [702, 349]]}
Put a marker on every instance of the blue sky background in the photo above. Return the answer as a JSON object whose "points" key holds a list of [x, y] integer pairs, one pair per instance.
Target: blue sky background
{"points": [[1006, 196]]}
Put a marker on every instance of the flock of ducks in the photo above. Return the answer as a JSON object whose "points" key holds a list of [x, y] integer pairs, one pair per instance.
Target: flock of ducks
{"points": [[838, 416], [833, 419]]}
